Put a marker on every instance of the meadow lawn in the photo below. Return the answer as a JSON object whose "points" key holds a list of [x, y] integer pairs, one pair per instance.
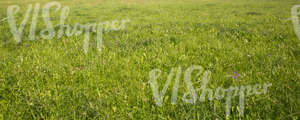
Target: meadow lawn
{"points": [[55, 79]]}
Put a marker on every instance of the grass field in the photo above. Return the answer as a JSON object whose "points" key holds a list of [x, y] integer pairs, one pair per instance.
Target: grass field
{"points": [[55, 79]]}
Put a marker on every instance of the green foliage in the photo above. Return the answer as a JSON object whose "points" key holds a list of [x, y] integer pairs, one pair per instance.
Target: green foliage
{"points": [[55, 79]]}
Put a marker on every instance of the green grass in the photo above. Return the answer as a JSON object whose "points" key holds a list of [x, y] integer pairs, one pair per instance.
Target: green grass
{"points": [[54, 79]]}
